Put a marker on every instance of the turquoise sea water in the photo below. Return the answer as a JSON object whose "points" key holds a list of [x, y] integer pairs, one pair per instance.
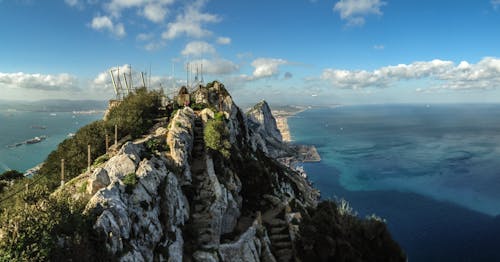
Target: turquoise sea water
{"points": [[16, 126], [432, 171]]}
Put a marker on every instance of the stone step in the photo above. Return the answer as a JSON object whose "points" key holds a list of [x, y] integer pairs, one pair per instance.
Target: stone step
{"points": [[282, 245], [277, 222], [204, 239], [200, 217], [277, 230], [284, 255], [279, 237]]}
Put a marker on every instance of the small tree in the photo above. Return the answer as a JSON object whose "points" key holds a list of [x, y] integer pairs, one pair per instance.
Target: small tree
{"points": [[11, 175], [216, 136]]}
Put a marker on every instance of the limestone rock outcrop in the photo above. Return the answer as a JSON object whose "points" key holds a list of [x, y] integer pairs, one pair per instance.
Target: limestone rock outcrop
{"points": [[191, 203], [264, 133]]}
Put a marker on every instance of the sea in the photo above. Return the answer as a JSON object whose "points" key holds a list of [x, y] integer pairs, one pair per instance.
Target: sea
{"points": [[431, 171], [19, 126]]}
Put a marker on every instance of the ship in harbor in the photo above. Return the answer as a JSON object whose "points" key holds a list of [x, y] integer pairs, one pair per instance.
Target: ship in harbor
{"points": [[34, 140]]}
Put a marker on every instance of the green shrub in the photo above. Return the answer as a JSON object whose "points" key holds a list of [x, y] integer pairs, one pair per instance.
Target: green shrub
{"points": [[198, 106], [156, 145], [101, 159], [332, 233], [31, 231], [11, 175], [216, 137], [136, 113], [83, 188], [219, 116], [130, 180]]}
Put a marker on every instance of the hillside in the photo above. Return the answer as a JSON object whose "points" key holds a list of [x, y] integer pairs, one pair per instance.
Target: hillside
{"points": [[189, 183]]}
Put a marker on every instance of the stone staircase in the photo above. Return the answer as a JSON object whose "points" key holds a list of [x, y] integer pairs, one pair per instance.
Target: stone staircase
{"points": [[279, 234], [200, 219]]}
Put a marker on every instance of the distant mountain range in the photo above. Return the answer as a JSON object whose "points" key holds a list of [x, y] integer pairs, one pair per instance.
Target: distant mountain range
{"points": [[53, 105]]}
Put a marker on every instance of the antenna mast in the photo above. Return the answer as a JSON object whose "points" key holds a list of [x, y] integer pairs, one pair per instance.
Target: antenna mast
{"points": [[130, 75], [202, 81]]}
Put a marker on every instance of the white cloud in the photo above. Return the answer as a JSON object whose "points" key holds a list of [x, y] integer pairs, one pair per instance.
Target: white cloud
{"points": [[267, 67], [483, 75], [263, 68], [198, 48], [379, 47], [223, 40], [191, 22], [155, 12], [104, 23], [354, 11], [216, 66], [146, 16], [60, 82]]}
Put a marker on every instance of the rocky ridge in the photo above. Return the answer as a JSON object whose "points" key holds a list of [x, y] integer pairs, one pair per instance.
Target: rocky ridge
{"points": [[189, 203]]}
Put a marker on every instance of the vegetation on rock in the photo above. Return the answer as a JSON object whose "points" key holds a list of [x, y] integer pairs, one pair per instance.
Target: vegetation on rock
{"points": [[130, 180], [48, 228], [216, 135], [331, 233]]}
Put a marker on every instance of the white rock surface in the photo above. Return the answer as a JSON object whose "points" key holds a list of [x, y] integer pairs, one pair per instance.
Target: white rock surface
{"points": [[180, 140], [248, 248], [145, 218]]}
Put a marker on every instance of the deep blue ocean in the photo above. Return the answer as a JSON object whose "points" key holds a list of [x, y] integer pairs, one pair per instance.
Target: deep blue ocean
{"points": [[432, 171], [17, 126]]}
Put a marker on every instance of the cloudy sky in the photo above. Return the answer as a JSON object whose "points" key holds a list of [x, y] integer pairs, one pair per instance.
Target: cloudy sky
{"points": [[296, 51]]}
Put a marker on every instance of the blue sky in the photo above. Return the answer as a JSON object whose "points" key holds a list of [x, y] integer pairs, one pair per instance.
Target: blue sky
{"points": [[300, 51]]}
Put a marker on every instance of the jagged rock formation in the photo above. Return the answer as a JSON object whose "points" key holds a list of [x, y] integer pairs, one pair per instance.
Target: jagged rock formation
{"points": [[190, 203], [261, 113], [186, 202], [265, 134]]}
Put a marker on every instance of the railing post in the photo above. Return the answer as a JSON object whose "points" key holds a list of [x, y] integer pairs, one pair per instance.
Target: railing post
{"points": [[88, 158], [107, 142], [116, 135], [62, 172]]}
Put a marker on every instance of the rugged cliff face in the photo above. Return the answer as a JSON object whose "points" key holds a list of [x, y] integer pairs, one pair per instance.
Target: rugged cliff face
{"points": [[171, 196], [264, 133], [187, 202]]}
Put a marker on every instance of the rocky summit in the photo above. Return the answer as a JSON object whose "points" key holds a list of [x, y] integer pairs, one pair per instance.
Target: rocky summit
{"points": [[204, 184]]}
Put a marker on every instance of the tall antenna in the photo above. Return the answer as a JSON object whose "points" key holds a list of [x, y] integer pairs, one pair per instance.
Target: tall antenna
{"points": [[130, 77], [126, 83], [196, 76], [119, 82], [202, 81], [143, 82], [114, 83], [187, 75]]}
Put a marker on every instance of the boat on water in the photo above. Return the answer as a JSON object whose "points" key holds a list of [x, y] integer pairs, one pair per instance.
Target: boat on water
{"points": [[35, 140], [38, 127]]}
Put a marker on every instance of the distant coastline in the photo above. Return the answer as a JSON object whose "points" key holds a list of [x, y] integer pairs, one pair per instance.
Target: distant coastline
{"points": [[306, 153], [281, 115]]}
